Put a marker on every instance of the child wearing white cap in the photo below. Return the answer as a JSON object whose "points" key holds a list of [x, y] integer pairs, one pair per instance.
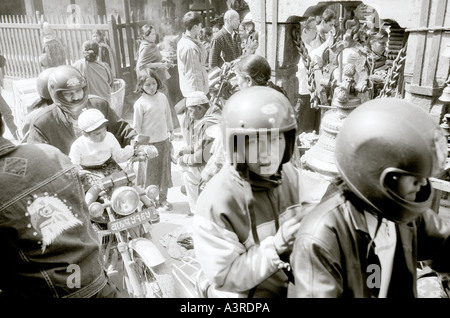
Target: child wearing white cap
{"points": [[96, 151]]}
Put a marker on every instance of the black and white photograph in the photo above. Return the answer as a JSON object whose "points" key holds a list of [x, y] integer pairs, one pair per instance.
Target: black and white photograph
{"points": [[231, 156]]}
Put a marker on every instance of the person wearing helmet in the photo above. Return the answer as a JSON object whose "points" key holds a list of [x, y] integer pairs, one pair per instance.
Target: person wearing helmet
{"points": [[242, 229], [365, 239], [43, 101], [57, 124], [250, 70]]}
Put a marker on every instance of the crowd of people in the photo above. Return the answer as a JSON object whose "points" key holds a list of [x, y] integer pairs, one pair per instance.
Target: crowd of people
{"points": [[253, 234]]}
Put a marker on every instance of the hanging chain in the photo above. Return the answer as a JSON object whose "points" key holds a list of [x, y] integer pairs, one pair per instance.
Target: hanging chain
{"points": [[395, 72], [310, 67]]}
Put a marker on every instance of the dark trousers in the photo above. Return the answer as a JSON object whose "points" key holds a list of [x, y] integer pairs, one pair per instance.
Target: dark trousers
{"points": [[8, 117], [308, 119]]}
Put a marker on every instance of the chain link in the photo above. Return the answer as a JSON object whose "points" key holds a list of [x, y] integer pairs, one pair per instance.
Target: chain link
{"points": [[394, 74]]}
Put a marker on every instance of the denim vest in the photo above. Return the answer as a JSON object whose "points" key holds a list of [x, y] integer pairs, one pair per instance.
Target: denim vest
{"points": [[49, 248]]}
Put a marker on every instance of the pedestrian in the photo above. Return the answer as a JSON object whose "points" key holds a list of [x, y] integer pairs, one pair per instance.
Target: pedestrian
{"points": [[149, 57], [98, 74], [376, 60], [309, 116], [191, 61], [5, 109], [41, 102], [206, 38], [96, 153], [376, 45], [49, 247], [193, 157], [243, 229], [216, 28], [105, 51], [226, 44], [153, 123], [325, 27], [57, 124], [53, 52], [366, 238], [254, 70], [250, 40]]}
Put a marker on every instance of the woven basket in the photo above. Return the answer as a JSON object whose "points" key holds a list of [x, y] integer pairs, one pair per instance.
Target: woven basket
{"points": [[118, 96]]}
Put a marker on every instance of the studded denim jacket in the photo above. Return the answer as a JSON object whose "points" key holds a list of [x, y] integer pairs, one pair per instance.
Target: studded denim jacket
{"points": [[49, 249]]}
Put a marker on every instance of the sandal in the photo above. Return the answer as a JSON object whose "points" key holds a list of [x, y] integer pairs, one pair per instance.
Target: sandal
{"points": [[166, 205]]}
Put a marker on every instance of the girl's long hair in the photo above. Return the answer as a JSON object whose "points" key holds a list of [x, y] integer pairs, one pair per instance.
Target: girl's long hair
{"points": [[147, 73]]}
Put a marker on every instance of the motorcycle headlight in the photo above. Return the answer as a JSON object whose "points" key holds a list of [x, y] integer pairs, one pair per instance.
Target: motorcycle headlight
{"points": [[152, 191], [96, 209], [125, 200]]}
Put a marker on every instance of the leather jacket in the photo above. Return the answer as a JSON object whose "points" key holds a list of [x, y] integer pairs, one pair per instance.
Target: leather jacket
{"points": [[237, 216], [333, 251], [49, 248]]}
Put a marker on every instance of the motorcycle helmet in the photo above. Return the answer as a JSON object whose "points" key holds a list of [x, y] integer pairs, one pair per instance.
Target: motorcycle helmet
{"points": [[64, 78], [42, 83], [387, 137], [254, 110]]}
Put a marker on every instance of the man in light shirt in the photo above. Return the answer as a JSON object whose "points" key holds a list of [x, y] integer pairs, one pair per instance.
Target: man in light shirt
{"points": [[191, 61], [309, 117]]}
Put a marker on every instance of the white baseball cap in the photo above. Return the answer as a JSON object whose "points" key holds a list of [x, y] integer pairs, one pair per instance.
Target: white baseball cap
{"points": [[196, 98], [91, 119]]}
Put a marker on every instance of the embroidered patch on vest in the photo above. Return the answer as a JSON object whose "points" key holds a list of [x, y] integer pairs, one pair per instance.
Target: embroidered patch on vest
{"points": [[15, 166], [50, 216]]}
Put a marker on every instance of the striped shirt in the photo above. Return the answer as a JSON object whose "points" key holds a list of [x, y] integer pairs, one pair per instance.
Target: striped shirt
{"points": [[224, 48]]}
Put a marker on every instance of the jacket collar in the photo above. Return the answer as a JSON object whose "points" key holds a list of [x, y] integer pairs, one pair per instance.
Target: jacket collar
{"points": [[257, 182], [186, 36], [357, 218], [6, 146]]}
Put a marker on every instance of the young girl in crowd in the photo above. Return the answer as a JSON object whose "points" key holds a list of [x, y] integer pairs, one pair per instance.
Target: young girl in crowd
{"points": [[152, 121], [97, 152]]}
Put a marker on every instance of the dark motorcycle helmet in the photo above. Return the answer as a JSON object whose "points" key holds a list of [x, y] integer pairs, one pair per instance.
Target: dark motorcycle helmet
{"points": [[65, 78], [384, 137], [42, 83], [254, 110]]}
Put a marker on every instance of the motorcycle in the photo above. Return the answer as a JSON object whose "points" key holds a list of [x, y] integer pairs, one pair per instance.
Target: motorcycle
{"points": [[222, 83], [123, 217]]}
